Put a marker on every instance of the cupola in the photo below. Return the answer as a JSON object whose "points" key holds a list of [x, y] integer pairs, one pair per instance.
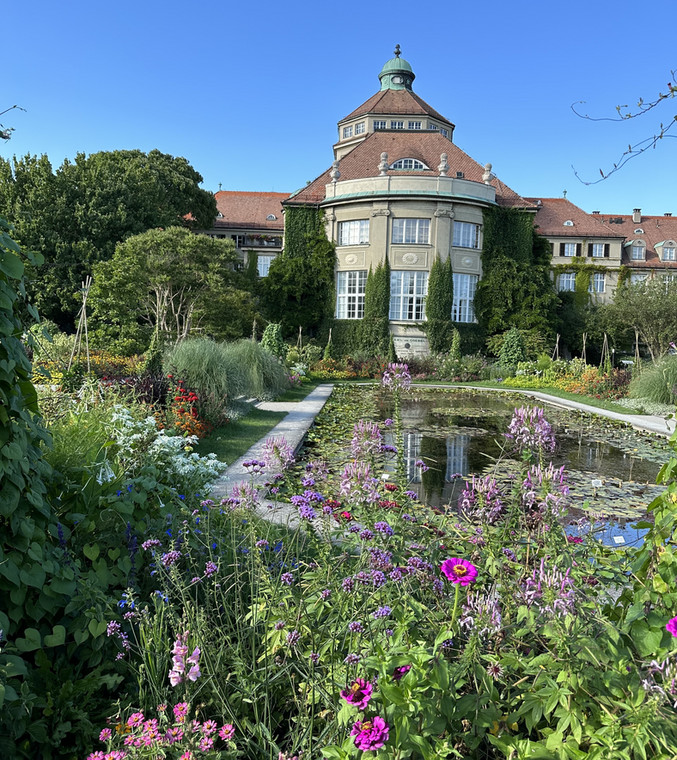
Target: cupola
{"points": [[396, 74]]}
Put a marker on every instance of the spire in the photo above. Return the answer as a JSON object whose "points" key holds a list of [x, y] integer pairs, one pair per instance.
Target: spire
{"points": [[396, 73]]}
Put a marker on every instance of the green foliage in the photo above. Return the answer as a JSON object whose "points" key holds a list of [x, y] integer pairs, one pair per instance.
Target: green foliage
{"points": [[375, 337], [649, 308], [455, 351], [512, 351], [164, 280], [656, 382], [516, 288], [75, 216], [329, 349], [272, 340], [254, 371], [438, 305], [299, 288], [346, 336]]}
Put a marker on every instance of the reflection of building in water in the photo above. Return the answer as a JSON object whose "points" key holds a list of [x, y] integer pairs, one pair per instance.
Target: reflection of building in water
{"points": [[457, 455], [412, 453]]}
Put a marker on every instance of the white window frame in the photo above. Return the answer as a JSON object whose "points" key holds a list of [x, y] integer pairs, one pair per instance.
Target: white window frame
{"points": [[566, 282], [569, 249], [411, 231], [432, 126], [380, 124], [411, 164], [350, 289], [396, 124], [637, 277], [466, 235], [598, 250], [597, 283], [669, 253], [263, 263], [353, 232], [444, 132], [347, 132], [408, 291], [359, 128], [670, 277], [415, 125], [463, 307], [638, 252]]}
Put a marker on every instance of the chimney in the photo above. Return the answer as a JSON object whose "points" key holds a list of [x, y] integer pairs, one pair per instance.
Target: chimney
{"points": [[636, 215], [595, 212], [668, 214]]}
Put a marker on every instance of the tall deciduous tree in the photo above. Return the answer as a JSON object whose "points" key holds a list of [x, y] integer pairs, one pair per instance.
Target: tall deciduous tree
{"points": [[161, 278], [77, 215], [648, 307]]}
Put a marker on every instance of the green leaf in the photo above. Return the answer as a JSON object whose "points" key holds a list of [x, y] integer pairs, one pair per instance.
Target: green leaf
{"points": [[91, 551], [11, 265], [30, 642], [57, 637]]}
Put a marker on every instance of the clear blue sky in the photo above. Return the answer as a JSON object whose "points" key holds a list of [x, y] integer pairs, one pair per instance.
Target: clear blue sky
{"points": [[250, 93]]}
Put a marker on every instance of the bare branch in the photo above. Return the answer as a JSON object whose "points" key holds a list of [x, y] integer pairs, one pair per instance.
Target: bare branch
{"points": [[6, 132], [624, 113]]}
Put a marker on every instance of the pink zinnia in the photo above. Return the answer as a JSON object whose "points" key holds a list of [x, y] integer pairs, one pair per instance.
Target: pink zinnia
{"points": [[358, 694], [227, 732], [135, 719], [370, 734], [671, 626], [105, 735], [459, 571]]}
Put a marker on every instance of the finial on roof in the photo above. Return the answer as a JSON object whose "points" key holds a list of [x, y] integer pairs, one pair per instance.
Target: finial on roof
{"points": [[335, 173], [487, 176], [383, 166], [564, 193], [397, 51], [443, 168]]}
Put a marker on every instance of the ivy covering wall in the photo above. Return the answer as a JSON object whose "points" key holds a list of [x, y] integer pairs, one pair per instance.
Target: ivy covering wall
{"points": [[299, 289], [516, 288]]}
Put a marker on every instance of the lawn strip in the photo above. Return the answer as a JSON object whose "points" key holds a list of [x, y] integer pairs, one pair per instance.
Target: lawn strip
{"points": [[237, 437]]}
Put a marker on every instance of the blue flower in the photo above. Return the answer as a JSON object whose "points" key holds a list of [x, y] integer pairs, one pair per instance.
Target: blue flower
{"points": [[182, 497]]}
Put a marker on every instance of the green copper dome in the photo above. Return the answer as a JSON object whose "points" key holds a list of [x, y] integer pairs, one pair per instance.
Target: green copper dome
{"points": [[396, 74]]}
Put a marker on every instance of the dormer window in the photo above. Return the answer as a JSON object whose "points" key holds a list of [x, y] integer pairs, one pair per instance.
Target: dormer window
{"points": [[271, 218], [359, 128], [568, 223], [413, 164], [414, 125], [347, 132], [638, 250], [669, 251], [639, 231]]}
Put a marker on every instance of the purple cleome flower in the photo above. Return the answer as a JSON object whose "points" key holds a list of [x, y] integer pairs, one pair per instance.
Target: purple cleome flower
{"points": [[530, 430]]}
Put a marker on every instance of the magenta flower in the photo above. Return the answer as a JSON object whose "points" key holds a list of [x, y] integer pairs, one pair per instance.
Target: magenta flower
{"points": [[226, 731], [370, 734], [105, 735], [459, 571], [401, 671], [671, 626], [358, 694]]}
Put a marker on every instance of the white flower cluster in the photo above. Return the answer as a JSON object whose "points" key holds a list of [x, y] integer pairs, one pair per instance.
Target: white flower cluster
{"points": [[141, 445]]}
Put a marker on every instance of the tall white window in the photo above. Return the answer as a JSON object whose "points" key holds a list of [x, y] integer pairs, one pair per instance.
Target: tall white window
{"points": [[348, 131], [569, 249], [598, 250], [566, 282], [378, 124], [359, 128], [353, 233], [263, 265], [396, 125], [466, 235], [669, 253], [637, 253], [463, 308], [596, 283], [411, 231], [350, 288], [414, 125], [407, 295]]}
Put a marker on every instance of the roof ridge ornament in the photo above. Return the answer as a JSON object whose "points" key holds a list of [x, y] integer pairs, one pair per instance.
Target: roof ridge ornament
{"points": [[443, 168], [398, 52], [335, 173], [383, 166]]}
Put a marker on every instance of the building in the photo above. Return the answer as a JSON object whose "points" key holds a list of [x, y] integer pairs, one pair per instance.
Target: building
{"points": [[400, 189], [254, 221]]}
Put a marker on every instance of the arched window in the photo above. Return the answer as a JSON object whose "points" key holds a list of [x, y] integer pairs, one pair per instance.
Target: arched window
{"points": [[408, 163]]}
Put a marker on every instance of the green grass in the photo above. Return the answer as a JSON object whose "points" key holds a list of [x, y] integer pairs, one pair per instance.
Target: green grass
{"points": [[300, 392], [235, 438]]}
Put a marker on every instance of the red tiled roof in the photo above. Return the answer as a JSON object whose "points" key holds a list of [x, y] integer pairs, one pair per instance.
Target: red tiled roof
{"points": [[248, 210], [364, 158], [396, 102], [553, 212], [656, 229]]}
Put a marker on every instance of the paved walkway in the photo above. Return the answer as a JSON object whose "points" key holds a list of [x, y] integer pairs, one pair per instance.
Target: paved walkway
{"points": [[301, 414]]}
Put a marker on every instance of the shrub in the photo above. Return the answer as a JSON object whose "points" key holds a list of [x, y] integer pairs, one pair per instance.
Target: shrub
{"points": [[512, 350], [253, 370], [272, 340], [656, 382]]}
